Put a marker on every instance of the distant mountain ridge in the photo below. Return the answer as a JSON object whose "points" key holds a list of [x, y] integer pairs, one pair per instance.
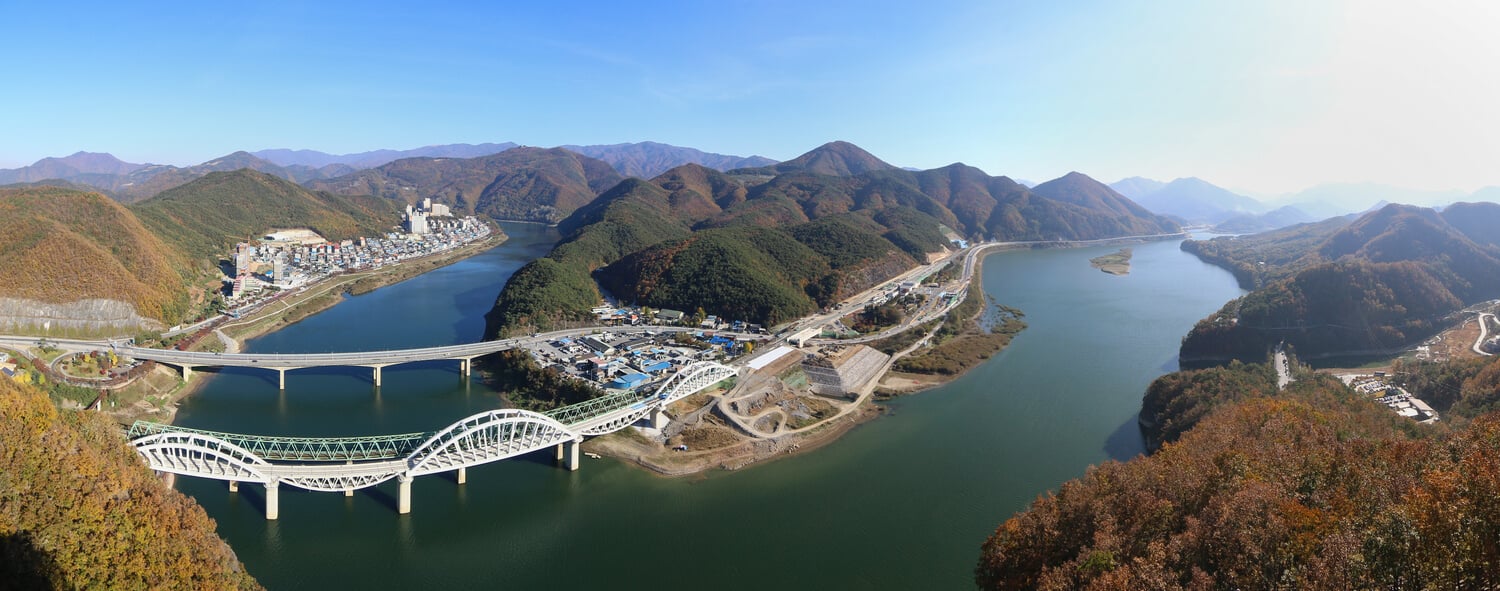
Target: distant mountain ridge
{"points": [[1192, 199], [374, 158], [527, 184], [648, 159], [68, 167], [1136, 186], [130, 182], [640, 159]]}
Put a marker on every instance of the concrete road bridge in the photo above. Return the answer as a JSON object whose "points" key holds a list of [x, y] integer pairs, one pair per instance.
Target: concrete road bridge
{"points": [[284, 362], [350, 463]]}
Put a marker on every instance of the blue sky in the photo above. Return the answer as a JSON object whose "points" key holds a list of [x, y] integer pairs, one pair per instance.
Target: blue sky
{"points": [[1259, 96]]}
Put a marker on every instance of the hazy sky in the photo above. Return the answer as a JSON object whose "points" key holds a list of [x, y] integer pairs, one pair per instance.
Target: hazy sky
{"points": [[1265, 96]]}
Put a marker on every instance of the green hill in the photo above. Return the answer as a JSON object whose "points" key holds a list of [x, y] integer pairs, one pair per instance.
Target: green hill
{"points": [[61, 246], [206, 217], [527, 184], [1371, 286], [79, 510], [760, 274]]}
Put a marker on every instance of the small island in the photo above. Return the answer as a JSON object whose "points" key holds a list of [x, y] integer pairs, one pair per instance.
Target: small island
{"points": [[1115, 263]]}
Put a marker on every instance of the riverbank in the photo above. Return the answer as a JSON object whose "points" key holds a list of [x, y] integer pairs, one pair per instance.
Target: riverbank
{"points": [[753, 422]]}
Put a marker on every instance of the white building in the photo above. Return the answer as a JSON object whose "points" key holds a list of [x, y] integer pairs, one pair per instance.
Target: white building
{"points": [[416, 221]]}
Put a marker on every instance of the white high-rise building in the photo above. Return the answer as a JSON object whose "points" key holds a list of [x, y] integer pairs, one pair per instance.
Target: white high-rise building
{"points": [[416, 221]]}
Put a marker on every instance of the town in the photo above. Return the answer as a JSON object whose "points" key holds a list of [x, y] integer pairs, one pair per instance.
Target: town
{"points": [[288, 259]]}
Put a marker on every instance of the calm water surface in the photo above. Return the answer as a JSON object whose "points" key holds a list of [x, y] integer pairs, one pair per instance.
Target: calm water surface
{"points": [[900, 503]]}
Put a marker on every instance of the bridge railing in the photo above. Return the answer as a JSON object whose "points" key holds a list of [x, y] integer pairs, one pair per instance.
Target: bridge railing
{"points": [[304, 449]]}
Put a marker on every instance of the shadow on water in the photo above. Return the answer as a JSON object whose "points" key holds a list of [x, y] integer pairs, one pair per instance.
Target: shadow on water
{"points": [[1126, 441], [382, 498]]}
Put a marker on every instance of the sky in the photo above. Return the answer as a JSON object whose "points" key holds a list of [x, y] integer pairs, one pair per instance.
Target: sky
{"points": [[1260, 96]]}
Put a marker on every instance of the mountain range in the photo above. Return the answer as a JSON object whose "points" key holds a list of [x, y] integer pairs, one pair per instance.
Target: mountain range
{"points": [[130, 182], [771, 243]]}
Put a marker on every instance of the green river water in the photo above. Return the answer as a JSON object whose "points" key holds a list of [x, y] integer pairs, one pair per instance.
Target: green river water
{"points": [[902, 502]]}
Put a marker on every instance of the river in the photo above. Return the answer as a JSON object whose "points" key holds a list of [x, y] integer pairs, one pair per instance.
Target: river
{"points": [[902, 502]]}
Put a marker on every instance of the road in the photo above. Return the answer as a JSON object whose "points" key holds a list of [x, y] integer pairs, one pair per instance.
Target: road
{"points": [[1283, 369], [1484, 333]]}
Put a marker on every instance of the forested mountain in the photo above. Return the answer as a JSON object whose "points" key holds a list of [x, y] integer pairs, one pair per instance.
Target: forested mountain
{"points": [[206, 217], [528, 184], [60, 246], [1315, 487], [79, 510], [833, 159], [1381, 282], [648, 159], [1198, 201], [685, 238]]}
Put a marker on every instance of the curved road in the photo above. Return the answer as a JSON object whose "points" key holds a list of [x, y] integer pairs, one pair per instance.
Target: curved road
{"points": [[1484, 333]]}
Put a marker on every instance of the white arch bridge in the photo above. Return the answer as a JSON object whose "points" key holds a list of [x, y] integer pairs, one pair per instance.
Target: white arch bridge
{"points": [[350, 463]]}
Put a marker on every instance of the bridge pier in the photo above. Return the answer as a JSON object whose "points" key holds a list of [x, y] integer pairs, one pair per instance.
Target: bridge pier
{"points": [[465, 366], [659, 419], [280, 378], [463, 475], [187, 373], [272, 501], [403, 504], [234, 486], [349, 492], [573, 454], [377, 375]]}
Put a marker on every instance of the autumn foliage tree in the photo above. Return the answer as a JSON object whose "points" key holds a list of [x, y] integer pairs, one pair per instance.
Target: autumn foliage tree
{"points": [[78, 509], [1310, 490]]}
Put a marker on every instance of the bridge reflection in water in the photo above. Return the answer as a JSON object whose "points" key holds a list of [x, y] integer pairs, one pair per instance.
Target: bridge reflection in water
{"points": [[350, 463]]}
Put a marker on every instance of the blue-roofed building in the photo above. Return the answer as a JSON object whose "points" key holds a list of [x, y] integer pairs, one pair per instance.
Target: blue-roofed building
{"points": [[657, 367], [627, 381]]}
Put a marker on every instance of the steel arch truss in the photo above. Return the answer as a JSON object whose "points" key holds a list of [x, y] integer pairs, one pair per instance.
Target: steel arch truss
{"points": [[487, 437], [614, 422], [692, 378], [196, 454]]}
